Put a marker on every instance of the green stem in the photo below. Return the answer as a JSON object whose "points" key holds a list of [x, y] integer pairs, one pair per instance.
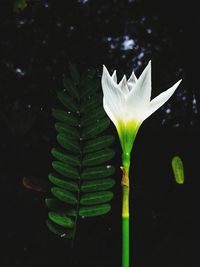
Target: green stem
{"points": [[125, 229], [125, 209]]}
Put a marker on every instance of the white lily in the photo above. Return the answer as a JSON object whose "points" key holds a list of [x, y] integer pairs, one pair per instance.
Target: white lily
{"points": [[128, 103]]}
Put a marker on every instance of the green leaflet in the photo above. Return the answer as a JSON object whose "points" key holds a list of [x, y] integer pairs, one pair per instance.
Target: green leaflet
{"points": [[94, 210], [55, 205], [66, 184], [64, 195], [99, 157], [66, 157], [178, 169], [97, 128], [61, 219], [82, 178], [96, 198], [72, 132], [98, 172], [98, 143], [65, 170], [68, 102], [93, 116], [86, 77], [70, 87], [97, 185], [74, 73], [91, 88], [70, 145], [89, 104], [58, 230], [64, 116]]}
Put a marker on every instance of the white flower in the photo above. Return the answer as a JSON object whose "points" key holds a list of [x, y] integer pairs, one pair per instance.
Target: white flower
{"points": [[128, 103]]}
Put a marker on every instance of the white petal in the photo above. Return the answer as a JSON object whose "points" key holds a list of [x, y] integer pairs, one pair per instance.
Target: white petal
{"points": [[113, 97], [111, 111], [114, 76], [123, 85], [109, 86], [158, 101], [131, 81], [139, 96]]}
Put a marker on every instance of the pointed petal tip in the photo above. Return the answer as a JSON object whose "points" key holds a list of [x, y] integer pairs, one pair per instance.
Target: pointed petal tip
{"points": [[105, 70], [179, 81], [177, 84], [114, 72], [149, 63]]}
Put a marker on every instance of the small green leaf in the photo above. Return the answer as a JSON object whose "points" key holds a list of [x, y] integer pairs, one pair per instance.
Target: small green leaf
{"points": [[64, 116], [64, 157], [89, 104], [98, 143], [65, 170], [91, 87], [65, 142], [19, 5], [97, 185], [87, 76], [98, 172], [70, 87], [97, 128], [178, 169], [92, 211], [59, 230], [74, 73], [61, 219], [68, 101], [72, 132], [59, 206], [96, 198], [99, 157], [93, 116], [64, 195], [66, 184]]}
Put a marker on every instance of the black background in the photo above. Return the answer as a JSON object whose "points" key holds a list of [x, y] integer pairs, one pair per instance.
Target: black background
{"points": [[37, 44]]}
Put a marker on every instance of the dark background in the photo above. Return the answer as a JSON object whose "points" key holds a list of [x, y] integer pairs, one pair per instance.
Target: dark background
{"points": [[37, 44]]}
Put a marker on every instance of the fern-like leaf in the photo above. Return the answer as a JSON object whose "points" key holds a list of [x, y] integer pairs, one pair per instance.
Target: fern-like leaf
{"points": [[82, 177]]}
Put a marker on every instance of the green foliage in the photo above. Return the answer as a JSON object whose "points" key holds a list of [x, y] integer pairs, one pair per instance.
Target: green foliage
{"points": [[19, 5], [178, 169], [82, 177]]}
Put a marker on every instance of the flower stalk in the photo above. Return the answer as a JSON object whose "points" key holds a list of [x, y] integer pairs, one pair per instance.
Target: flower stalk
{"points": [[125, 209]]}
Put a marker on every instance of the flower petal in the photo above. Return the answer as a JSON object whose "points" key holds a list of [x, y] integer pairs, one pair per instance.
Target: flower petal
{"points": [[123, 85], [158, 101], [111, 111], [140, 95], [131, 81], [114, 76], [113, 97], [108, 85]]}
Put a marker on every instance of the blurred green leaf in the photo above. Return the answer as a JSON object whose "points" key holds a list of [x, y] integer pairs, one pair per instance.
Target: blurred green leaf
{"points": [[178, 169], [19, 5], [59, 230]]}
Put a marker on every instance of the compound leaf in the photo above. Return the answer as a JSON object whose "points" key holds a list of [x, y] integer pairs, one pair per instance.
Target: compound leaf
{"points": [[82, 178]]}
